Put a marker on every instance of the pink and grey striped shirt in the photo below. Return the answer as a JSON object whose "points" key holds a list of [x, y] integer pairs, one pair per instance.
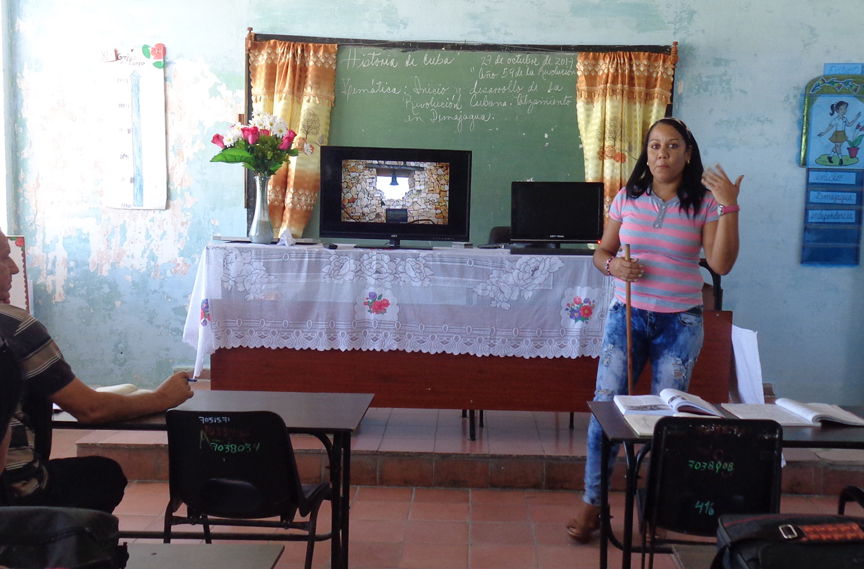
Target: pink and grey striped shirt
{"points": [[668, 243]]}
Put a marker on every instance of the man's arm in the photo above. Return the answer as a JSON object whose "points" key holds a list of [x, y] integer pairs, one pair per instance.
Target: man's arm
{"points": [[91, 406]]}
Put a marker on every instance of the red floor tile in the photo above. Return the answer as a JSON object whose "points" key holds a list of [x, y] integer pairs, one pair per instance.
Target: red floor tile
{"points": [[434, 556], [420, 531]]}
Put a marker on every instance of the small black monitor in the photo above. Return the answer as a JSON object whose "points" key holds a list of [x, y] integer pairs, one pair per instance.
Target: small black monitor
{"points": [[556, 212]]}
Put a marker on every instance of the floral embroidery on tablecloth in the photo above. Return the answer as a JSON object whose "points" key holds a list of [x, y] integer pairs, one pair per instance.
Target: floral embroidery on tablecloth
{"points": [[579, 308], [415, 271], [205, 312], [377, 304], [378, 269], [519, 278], [340, 269], [240, 272]]}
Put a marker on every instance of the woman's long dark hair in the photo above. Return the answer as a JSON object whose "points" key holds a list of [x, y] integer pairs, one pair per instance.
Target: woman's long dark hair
{"points": [[690, 190]]}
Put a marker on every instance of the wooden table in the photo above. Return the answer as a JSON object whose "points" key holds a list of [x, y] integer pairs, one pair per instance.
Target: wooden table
{"points": [[323, 415], [616, 431]]}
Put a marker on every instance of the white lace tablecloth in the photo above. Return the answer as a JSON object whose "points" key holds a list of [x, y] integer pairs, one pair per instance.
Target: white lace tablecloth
{"points": [[480, 302]]}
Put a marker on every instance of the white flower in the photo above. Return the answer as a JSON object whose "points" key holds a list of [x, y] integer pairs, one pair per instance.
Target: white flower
{"points": [[234, 134], [279, 127]]}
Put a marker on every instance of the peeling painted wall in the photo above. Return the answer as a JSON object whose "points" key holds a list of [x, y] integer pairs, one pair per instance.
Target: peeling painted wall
{"points": [[112, 285]]}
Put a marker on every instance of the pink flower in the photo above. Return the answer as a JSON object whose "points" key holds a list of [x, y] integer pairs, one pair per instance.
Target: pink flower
{"points": [[158, 51], [250, 134], [577, 300], [264, 132], [587, 311], [285, 144], [290, 137], [218, 140]]}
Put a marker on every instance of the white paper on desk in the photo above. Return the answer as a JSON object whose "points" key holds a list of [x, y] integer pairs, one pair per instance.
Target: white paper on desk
{"points": [[198, 331], [748, 368]]}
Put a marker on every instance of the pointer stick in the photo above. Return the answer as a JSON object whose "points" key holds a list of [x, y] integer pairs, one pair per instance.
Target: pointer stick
{"points": [[629, 331]]}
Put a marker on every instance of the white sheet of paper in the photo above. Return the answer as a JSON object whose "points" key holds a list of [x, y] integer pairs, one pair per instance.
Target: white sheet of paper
{"points": [[748, 368]]}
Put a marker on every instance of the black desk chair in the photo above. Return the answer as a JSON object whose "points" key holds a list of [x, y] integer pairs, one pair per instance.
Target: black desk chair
{"points": [[850, 494], [11, 385], [11, 389], [234, 469], [702, 468]]}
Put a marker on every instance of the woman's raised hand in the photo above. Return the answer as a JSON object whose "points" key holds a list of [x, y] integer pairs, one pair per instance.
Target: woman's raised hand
{"points": [[716, 180]]}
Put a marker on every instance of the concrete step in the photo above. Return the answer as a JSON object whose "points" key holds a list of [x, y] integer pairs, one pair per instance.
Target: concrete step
{"points": [[144, 457]]}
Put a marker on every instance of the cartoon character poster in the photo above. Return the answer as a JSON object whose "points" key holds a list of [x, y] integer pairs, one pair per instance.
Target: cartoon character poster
{"points": [[833, 123]]}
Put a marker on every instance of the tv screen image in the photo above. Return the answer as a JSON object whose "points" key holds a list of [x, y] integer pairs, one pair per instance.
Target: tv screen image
{"points": [[556, 212], [395, 194], [392, 191]]}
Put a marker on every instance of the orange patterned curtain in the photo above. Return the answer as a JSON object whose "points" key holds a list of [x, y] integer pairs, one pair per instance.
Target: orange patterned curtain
{"points": [[297, 82], [619, 95]]}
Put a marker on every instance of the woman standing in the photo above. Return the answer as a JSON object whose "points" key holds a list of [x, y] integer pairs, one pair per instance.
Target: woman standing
{"points": [[671, 209]]}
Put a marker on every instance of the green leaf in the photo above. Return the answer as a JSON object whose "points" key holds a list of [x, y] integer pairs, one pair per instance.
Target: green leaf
{"points": [[145, 49], [232, 156]]}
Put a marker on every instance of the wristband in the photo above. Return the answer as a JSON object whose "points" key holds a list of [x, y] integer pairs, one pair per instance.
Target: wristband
{"points": [[721, 209], [608, 262]]}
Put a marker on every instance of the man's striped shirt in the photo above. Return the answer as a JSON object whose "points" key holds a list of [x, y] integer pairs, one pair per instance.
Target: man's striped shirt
{"points": [[45, 373]]}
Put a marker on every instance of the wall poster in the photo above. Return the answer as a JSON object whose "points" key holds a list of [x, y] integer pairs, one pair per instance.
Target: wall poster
{"points": [[832, 132], [140, 170]]}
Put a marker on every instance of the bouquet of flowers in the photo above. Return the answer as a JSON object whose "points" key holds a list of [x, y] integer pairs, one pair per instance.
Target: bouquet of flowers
{"points": [[262, 146]]}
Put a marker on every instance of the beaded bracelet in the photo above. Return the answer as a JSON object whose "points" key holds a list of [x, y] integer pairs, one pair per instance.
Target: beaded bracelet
{"points": [[608, 262]]}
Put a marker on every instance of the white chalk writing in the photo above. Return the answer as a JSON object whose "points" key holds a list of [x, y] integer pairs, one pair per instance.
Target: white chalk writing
{"points": [[496, 86]]}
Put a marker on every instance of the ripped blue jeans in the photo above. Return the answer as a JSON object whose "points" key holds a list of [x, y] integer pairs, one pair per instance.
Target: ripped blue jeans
{"points": [[670, 340]]}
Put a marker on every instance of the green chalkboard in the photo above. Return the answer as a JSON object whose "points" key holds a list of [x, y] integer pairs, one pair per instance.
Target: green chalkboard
{"points": [[516, 111]]}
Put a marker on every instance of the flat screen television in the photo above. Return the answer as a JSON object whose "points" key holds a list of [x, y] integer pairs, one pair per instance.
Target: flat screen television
{"points": [[396, 194], [556, 212]]}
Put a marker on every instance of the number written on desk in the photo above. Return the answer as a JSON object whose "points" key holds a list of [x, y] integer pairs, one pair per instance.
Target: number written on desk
{"points": [[712, 466], [234, 448], [706, 508], [225, 438], [207, 420]]}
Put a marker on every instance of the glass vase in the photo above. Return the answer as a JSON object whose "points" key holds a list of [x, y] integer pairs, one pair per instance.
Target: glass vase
{"points": [[261, 230]]}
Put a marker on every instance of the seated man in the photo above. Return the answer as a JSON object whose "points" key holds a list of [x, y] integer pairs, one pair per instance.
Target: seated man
{"points": [[29, 477]]}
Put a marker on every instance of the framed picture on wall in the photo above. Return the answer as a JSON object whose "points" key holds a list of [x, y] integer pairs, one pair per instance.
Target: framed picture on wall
{"points": [[833, 125]]}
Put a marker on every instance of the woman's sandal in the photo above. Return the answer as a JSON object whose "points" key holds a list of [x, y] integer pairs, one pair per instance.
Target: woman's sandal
{"points": [[585, 524]]}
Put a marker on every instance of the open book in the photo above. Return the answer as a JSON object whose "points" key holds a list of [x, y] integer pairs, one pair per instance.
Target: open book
{"points": [[791, 413], [669, 402], [643, 425]]}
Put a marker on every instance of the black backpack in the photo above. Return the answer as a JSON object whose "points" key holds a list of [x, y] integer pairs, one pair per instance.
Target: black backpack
{"points": [[39, 537]]}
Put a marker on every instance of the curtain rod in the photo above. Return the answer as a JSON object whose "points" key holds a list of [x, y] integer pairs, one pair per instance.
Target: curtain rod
{"points": [[462, 46]]}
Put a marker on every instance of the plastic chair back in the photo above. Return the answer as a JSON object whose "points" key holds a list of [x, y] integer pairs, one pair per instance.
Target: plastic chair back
{"points": [[702, 468], [232, 464]]}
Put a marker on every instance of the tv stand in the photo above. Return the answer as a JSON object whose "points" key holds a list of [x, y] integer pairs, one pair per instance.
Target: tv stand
{"points": [[394, 243], [549, 249]]}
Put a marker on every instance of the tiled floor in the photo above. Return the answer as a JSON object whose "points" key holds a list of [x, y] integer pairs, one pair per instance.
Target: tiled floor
{"points": [[436, 528], [431, 528]]}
